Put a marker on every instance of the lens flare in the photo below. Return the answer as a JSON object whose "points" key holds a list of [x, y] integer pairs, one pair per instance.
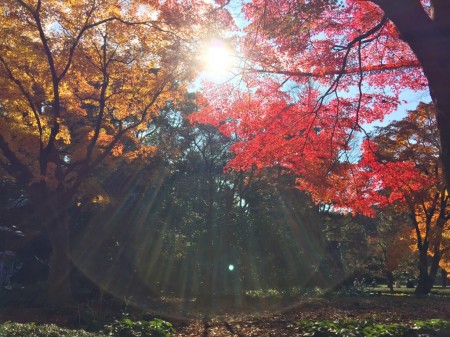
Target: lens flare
{"points": [[155, 256], [218, 59]]}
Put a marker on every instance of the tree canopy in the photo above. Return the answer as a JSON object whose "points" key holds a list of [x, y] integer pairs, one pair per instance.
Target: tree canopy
{"points": [[317, 72]]}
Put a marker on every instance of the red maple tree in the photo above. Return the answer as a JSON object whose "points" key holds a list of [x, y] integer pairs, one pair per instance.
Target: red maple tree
{"points": [[317, 71]]}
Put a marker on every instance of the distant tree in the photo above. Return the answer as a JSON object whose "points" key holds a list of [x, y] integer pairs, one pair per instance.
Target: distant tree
{"points": [[347, 246], [407, 162], [391, 246]]}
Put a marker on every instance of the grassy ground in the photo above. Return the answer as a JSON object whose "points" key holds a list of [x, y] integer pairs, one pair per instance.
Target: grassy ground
{"points": [[437, 290]]}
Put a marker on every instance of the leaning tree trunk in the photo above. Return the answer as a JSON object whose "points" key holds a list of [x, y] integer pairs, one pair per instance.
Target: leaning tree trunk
{"points": [[429, 39]]}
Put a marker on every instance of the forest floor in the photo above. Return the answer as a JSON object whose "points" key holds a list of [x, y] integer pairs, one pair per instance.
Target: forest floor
{"points": [[397, 308]]}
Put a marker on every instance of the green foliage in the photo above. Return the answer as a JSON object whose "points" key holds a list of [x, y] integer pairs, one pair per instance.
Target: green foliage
{"points": [[120, 328], [10, 329], [129, 328], [352, 291], [277, 293], [370, 328], [429, 326]]}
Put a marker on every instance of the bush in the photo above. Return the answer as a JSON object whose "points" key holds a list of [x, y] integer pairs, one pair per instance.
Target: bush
{"points": [[10, 329], [128, 328], [120, 328]]}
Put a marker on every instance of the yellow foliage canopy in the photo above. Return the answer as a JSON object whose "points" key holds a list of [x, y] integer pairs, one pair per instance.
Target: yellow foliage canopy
{"points": [[81, 80]]}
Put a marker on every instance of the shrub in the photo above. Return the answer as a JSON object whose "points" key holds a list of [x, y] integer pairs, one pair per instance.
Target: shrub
{"points": [[10, 329], [119, 328], [129, 328]]}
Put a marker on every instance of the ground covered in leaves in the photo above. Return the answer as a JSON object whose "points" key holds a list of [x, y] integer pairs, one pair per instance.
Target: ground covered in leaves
{"points": [[330, 313], [381, 309]]}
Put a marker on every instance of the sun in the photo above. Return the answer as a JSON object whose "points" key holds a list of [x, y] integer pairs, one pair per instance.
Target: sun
{"points": [[218, 59]]}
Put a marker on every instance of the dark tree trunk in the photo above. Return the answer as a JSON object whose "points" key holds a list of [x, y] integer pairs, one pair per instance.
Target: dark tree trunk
{"points": [[59, 287], [426, 277], [429, 39], [424, 284], [390, 280], [334, 256], [52, 214]]}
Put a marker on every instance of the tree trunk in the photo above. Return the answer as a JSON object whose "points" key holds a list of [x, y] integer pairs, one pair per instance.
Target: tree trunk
{"points": [[390, 280], [59, 287], [424, 284], [334, 256], [52, 214], [426, 278], [429, 39]]}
